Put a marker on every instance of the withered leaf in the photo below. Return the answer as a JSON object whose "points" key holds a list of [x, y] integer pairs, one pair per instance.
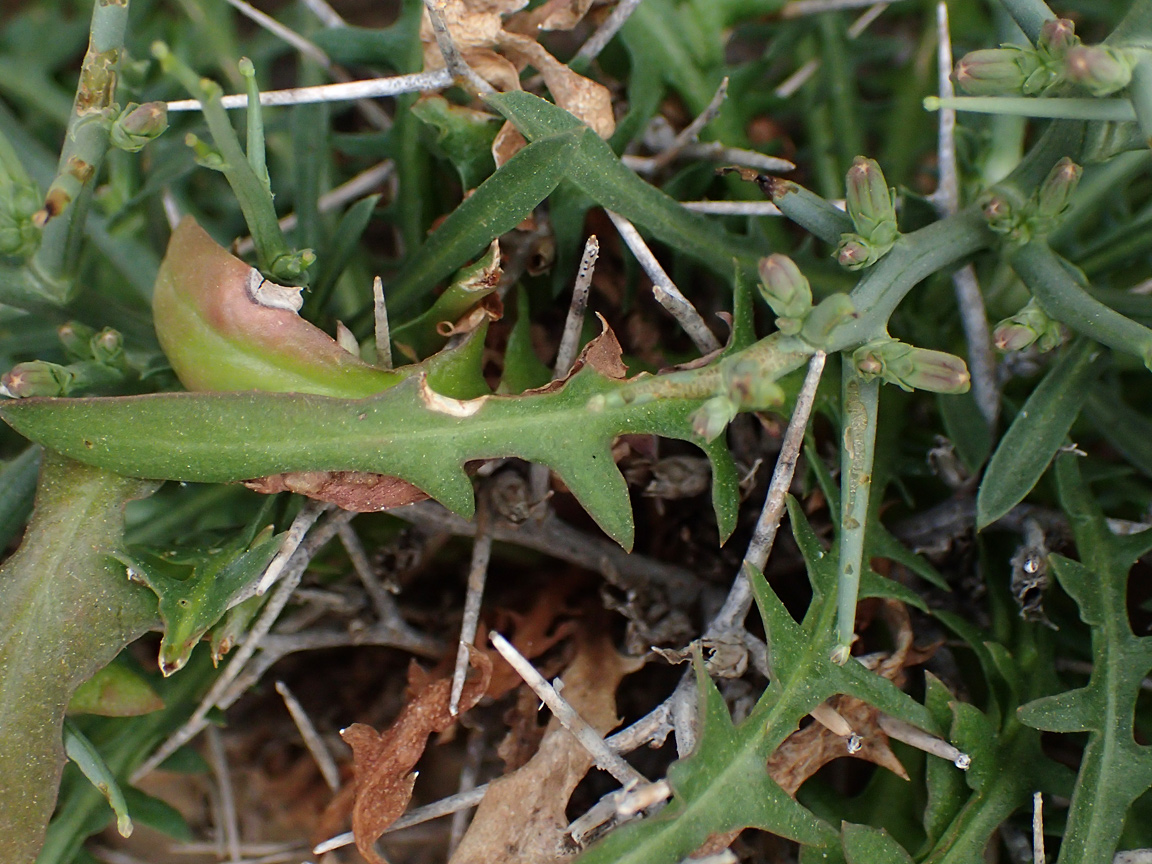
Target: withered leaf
{"points": [[521, 819], [358, 491], [383, 761]]}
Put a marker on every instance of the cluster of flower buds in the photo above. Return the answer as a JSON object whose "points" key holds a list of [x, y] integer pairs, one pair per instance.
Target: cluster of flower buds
{"points": [[139, 124], [99, 365], [872, 207], [1008, 212], [19, 201], [1058, 57], [911, 368], [1030, 326]]}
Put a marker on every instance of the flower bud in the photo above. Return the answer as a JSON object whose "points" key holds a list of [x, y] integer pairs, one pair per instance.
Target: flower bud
{"points": [[290, 266], [76, 339], [832, 311], [1098, 68], [911, 368], [139, 124], [711, 418], [871, 203], [19, 234], [1004, 209], [1056, 191], [205, 154], [1031, 325], [36, 378], [748, 386], [1057, 37], [856, 253], [108, 347], [784, 287], [996, 71]]}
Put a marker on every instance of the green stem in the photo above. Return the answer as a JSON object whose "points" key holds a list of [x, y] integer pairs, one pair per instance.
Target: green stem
{"points": [[1041, 107], [1030, 15], [1140, 94], [1059, 295], [254, 140], [255, 201], [859, 402], [85, 144], [1136, 26], [807, 209]]}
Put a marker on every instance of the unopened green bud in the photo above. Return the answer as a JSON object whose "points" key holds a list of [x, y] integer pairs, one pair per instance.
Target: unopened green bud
{"points": [[856, 253], [19, 234], [108, 347], [139, 124], [871, 203], [711, 418], [77, 340], [911, 368], [832, 311], [290, 266], [1057, 37], [36, 378], [1031, 325], [1100, 69], [1004, 209], [996, 71], [205, 154], [1056, 191], [784, 287]]}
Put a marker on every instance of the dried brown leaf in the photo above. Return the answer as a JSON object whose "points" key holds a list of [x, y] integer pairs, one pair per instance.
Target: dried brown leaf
{"points": [[521, 819], [358, 491], [553, 15], [383, 761]]}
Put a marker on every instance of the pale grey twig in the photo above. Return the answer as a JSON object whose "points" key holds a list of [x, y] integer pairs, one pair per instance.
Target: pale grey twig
{"points": [[305, 519], [604, 33], [733, 208], [664, 289], [570, 340], [346, 91], [350, 190], [451, 54], [328, 16], [691, 132], [304, 46], [435, 810], [381, 329], [382, 599], [312, 739], [716, 152], [788, 87], [857, 27], [739, 601], [272, 609], [605, 757], [799, 8], [230, 826], [473, 756], [477, 576], [973, 317]]}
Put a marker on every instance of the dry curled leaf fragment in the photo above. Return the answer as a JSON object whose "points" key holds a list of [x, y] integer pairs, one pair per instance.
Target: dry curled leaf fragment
{"points": [[383, 761], [522, 817]]}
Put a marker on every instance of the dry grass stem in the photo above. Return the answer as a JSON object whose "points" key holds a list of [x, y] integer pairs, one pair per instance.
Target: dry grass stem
{"points": [[570, 340], [606, 758], [788, 87], [799, 8], [469, 773], [733, 208], [328, 16], [305, 519], [603, 35], [691, 132], [382, 599], [1038, 855], [477, 576], [381, 328], [287, 34], [229, 825], [453, 60], [664, 289], [312, 739]]}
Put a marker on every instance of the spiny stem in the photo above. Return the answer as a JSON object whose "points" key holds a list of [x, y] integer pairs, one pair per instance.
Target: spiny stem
{"points": [[859, 401]]}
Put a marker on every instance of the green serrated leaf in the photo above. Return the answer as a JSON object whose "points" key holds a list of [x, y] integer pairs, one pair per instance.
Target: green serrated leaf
{"points": [[1114, 769], [197, 586], [64, 613], [1036, 434], [461, 135], [864, 844]]}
